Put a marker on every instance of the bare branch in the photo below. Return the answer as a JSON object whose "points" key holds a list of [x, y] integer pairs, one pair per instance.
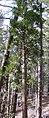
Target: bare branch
{"points": [[6, 6]]}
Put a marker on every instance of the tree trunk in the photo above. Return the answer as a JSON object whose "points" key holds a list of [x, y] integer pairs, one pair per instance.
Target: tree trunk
{"points": [[41, 54], [39, 94], [40, 70], [15, 101], [24, 85], [9, 97], [3, 67], [39, 99], [48, 68]]}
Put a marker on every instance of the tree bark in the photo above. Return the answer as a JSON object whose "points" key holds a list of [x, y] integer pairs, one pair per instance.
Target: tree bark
{"points": [[15, 101], [41, 53], [3, 67], [48, 68], [39, 96], [24, 85]]}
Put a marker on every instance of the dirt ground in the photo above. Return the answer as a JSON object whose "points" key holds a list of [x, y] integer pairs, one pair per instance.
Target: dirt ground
{"points": [[31, 108]]}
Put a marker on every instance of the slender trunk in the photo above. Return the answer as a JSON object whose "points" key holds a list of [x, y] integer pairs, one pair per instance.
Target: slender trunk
{"points": [[3, 67], [9, 97], [39, 96], [11, 101], [7, 91], [48, 68], [24, 86], [15, 102], [37, 100], [41, 53], [4, 101]]}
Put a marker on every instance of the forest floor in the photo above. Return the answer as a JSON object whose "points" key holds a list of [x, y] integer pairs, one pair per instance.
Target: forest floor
{"points": [[31, 108]]}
